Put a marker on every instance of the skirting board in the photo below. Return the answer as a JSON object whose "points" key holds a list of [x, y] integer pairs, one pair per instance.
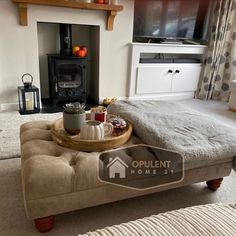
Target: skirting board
{"points": [[174, 96], [9, 107]]}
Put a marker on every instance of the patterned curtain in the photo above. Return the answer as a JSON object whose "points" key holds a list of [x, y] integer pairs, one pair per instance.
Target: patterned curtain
{"points": [[220, 62]]}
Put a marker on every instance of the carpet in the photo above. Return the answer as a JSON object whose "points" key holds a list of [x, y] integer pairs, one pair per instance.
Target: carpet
{"points": [[10, 123], [13, 221]]}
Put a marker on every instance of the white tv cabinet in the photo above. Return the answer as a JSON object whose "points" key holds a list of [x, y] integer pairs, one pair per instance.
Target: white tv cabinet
{"points": [[165, 71]]}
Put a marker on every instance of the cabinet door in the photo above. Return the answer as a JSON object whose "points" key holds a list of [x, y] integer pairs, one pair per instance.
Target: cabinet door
{"points": [[185, 78], [154, 79]]}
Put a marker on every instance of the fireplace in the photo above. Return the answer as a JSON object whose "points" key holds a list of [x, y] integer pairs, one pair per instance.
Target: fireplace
{"points": [[67, 78]]}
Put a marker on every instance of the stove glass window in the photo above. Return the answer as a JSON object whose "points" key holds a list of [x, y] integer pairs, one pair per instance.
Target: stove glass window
{"points": [[69, 75]]}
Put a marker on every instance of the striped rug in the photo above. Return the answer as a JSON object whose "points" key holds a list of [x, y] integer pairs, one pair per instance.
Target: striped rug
{"points": [[205, 220]]}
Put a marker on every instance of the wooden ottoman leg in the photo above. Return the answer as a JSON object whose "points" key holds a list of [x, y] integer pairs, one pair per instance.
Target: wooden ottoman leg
{"points": [[214, 184], [44, 224]]}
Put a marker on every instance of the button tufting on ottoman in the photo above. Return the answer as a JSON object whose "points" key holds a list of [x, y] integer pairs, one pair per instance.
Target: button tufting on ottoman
{"points": [[56, 179], [232, 99]]}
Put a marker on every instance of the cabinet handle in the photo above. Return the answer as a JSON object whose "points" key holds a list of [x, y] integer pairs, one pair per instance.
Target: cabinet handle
{"points": [[170, 71], [177, 71]]}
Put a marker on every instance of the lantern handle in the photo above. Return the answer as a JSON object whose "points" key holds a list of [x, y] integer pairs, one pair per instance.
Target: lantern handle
{"points": [[22, 78]]}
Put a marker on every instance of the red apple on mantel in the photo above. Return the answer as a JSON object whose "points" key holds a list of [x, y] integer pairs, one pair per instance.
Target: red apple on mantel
{"points": [[84, 49], [81, 53]]}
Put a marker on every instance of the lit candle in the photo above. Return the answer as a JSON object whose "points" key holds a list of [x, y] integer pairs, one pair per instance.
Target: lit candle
{"points": [[29, 105]]}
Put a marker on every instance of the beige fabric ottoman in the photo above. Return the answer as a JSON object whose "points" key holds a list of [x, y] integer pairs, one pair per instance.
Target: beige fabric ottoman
{"points": [[57, 179]]}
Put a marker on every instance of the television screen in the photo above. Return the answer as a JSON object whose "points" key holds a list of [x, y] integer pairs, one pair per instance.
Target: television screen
{"points": [[170, 18]]}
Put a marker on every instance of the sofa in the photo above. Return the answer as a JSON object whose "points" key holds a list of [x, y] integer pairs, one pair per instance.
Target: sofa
{"points": [[205, 220]]}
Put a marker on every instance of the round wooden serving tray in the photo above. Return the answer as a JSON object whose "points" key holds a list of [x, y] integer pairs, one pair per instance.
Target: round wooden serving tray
{"points": [[61, 137]]}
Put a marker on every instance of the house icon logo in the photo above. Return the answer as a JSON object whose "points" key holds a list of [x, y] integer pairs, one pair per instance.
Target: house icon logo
{"points": [[117, 168]]}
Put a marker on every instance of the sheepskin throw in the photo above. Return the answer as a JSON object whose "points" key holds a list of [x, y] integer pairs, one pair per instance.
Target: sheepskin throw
{"points": [[170, 125]]}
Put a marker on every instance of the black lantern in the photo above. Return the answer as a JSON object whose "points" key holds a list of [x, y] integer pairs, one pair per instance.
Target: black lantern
{"points": [[28, 96]]}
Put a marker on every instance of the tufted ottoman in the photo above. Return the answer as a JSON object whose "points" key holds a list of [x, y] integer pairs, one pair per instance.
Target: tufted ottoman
{"points": [[232, 99], [57, 179]]}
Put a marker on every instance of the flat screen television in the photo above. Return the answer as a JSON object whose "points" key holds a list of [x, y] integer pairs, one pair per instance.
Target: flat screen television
{"points": [[172, 19]]}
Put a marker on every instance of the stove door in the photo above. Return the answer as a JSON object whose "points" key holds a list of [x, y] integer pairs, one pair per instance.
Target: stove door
{"points": [[69, 75]]}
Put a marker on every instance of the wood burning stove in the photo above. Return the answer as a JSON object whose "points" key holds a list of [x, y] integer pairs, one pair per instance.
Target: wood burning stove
{"points": [[67, 78], [67, 73]]}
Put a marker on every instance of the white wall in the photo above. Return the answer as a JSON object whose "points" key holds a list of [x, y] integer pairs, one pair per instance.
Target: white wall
{"points": [[19, 46]]}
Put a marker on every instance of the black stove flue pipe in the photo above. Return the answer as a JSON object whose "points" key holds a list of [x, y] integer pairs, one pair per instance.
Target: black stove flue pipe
{"points": [[65, 40]]}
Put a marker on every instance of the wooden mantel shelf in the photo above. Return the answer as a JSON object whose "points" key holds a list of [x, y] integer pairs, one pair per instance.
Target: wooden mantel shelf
{"points": [[111, 9]]}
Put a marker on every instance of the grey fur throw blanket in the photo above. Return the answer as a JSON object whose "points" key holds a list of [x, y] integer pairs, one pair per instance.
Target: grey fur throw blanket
{"points": [[198, 137]]}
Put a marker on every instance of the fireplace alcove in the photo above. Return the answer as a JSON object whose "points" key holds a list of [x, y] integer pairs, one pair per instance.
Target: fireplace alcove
{"points": [[79, 76]]}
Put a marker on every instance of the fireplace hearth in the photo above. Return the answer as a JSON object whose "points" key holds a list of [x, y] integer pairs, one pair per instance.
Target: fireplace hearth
{"points": [[67, 78]]}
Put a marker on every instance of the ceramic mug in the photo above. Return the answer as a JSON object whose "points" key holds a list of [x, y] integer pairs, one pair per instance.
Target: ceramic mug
{"points": [[98, 113], [95, 130]]}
